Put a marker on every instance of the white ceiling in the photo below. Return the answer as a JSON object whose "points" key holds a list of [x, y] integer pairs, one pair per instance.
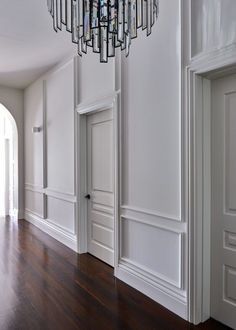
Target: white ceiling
{"points": [[28, 44]]}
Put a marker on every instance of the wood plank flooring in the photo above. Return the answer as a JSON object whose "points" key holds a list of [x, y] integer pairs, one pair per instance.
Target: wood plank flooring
{"points": [[44, 285]]}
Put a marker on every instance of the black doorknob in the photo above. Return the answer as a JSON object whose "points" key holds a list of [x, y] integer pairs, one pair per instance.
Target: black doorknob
{"points": [[88, 196]]}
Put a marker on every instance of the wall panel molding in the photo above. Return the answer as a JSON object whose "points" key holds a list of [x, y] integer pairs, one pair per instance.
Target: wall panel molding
{"points": [[148, 216], [28, 210], [52, 204], [153, 277], [216, 59], [61, 213], [60, 81], [173, 301], [157, 276], [155, 281], [64, 229], [67, 197], [34, 188], [104, 103], [170, 292]]}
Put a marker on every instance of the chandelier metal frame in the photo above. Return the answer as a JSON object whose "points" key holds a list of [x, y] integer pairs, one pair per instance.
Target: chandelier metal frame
{"points": [[103, 25]]}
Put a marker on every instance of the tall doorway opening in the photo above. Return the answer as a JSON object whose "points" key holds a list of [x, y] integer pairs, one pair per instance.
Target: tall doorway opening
{"points": [[8, 164]]}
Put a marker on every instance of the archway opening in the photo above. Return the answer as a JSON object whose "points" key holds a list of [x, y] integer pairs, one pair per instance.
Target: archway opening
{"points": [[8, 164]]}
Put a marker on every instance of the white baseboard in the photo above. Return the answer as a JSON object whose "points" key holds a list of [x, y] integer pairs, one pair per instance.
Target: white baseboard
{"points": [[59, 234], [177, 306]]}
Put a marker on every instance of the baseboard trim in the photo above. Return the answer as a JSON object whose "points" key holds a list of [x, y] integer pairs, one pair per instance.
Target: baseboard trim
{"points": [[175, 305], [59, 234]]}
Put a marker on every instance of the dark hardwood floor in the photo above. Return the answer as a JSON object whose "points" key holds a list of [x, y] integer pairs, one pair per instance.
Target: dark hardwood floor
{"points": [[45, 285]]}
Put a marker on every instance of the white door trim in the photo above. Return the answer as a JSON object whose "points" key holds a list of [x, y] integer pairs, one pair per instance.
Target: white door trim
{"points": [[84, 109], [196, 123]]}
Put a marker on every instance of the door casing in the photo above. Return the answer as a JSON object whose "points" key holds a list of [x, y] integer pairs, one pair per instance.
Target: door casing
{"points": [[197, 165], [83, 110]]}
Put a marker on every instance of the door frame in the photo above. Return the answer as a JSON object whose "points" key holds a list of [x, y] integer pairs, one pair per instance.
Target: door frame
{"points": [[110, 102], [197, 164]]}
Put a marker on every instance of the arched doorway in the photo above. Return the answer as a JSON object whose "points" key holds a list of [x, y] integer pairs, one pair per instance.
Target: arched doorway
{"points": [[8, 164]]}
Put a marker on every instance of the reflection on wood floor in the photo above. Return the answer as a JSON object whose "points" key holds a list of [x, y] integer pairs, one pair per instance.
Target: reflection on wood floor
{"points": [[45, 285]]}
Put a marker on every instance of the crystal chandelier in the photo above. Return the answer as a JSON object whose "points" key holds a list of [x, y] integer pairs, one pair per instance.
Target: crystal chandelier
{"points": [[103, 25]]}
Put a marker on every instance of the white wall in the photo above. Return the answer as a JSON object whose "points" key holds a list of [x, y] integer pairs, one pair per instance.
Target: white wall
{"points": [[153, 235], [13, 100], [153, 231], [213, 25], [33, 116], [50, 189], [95, 79]]}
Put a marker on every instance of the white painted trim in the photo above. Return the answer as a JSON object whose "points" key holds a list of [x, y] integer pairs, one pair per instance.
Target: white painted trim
{"points": [[157, 280], [118, 152], [172, 301], [154, 222], [109, 102], [197, 97], [70, 198], [56, 232], [207, 198], [60, 227], [129, 273], [45, 165], [76, 98], [29, 211], [81, 183], [214, 59], [101, 104], [62, 234], [151, 213], [159, 276], [34, 188], [186, 21]]}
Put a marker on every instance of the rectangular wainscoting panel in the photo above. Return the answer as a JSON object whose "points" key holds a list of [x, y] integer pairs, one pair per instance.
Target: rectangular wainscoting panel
{"points": [[34, 202], [60, 129], [61, 213], [155, 250], [229, 285]]}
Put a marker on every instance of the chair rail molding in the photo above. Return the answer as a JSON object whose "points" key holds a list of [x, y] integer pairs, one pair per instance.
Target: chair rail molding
{"points": [[151, 213]]}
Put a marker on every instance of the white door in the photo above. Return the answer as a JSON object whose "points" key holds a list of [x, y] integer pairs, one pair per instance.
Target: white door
{"points": [[100, 178], [223, 232]]}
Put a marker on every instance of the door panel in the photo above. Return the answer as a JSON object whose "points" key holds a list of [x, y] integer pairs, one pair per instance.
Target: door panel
{"points": [[223, 232], [100, 177]]}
